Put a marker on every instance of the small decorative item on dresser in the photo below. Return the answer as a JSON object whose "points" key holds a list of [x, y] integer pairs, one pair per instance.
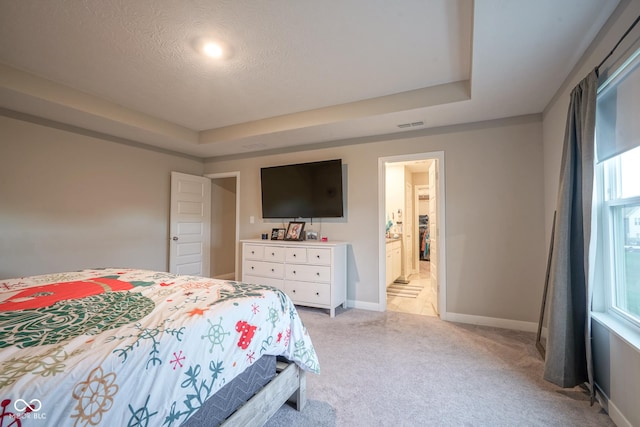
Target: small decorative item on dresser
{"points": [[312, 235], [278, 233], [295, 230]]}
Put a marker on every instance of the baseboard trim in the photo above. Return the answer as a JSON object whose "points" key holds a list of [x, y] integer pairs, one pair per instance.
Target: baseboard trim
{"points": [[495, 322], [371, 306], [617, 417]]}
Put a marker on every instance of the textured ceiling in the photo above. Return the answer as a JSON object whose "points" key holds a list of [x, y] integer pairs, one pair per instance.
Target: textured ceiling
{"points": [[297, 72]]}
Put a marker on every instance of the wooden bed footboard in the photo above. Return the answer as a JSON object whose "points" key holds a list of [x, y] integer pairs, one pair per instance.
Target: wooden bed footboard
{"points": [[289, 384]]}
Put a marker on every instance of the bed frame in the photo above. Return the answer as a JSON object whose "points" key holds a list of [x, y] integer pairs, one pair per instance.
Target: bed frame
{"points": [[289, 384]]}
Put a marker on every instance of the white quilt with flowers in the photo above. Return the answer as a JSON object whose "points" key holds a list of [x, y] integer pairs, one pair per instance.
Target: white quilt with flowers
{"points": [[118, 347]]}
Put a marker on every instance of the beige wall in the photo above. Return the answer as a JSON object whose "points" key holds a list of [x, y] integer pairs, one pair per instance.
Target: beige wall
{"points": [[495, 233], [69, 201], [421, 178], [617, 362]]}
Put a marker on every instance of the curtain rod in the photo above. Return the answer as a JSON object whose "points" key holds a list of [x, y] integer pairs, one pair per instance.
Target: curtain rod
{"points": [[617, 44]]}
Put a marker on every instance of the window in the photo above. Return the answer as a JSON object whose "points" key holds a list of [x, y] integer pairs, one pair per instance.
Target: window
{"points": [[622, 231], [618, 190]]}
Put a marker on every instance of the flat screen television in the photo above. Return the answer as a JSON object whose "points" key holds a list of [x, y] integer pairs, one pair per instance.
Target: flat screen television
{"points": [[303, 190]]}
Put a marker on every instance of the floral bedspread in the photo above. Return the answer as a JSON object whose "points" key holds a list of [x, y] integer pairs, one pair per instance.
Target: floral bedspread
{"points": [[117, 347]]}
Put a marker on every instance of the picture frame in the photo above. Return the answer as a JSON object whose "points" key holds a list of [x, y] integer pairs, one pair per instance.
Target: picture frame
{"points": [[311, 235], [295, 230], [278, 233]]}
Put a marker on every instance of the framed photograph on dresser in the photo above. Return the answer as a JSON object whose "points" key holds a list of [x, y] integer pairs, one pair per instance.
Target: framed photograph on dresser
{"points": [[295, 231], [278, 233]]}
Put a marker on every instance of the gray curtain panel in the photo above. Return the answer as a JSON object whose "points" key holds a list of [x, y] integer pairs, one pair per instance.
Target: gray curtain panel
{"points": [[568, 355]]}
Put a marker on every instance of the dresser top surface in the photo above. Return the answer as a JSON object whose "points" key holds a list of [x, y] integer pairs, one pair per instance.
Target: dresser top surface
{"points": [[306, 243]]}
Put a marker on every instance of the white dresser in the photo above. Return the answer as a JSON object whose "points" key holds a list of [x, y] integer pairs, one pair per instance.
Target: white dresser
{"points": [[313, 274]]}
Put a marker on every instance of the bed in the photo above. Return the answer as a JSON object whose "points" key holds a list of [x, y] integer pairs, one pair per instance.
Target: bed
{"points": [[136, 347]]}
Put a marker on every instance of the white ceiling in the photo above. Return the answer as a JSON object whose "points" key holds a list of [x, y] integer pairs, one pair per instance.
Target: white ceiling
{"points": [[298, 72]]}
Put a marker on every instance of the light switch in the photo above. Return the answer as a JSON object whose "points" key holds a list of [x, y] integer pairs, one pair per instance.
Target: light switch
{"points": [[252, 219]]}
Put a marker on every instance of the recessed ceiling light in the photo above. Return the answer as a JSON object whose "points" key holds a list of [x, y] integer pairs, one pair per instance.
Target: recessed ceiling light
{"points": [[212, 47], [213, 50]]}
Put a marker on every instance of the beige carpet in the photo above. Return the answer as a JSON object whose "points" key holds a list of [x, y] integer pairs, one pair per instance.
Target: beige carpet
{"points": [[398, 369]]}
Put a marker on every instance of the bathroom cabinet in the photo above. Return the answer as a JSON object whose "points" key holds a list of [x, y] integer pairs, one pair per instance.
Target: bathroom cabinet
{"points": [[394, 260]]}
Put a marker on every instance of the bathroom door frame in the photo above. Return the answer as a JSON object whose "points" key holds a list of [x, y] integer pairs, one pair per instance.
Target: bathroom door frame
{"points": [[441, 225]]}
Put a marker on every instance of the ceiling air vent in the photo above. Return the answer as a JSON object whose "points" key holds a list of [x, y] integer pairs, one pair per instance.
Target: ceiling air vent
{"points": [[412, 124]]}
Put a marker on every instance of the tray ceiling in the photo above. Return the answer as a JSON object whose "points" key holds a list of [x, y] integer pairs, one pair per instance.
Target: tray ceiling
{"points": [[295, 73]]}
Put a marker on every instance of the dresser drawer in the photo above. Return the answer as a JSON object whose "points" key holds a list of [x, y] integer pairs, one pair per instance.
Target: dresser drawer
{"points": [[264, 269], [262, 252], [308, 273], [319, 256], [253, 251], [274, 253], [296, 255], [308, 293]]}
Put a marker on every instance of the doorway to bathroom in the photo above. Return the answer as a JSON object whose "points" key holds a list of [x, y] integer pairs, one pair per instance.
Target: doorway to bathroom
{"points": [[412, 222]]}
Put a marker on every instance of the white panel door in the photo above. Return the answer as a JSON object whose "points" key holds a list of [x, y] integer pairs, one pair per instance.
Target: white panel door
{"points": [[190, 224], [433, 233]]}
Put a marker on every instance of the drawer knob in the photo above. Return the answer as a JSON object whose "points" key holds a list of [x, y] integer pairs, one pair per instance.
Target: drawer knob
{"points": [[318, 256], [252, 252], [294, 291], [294, 272], [273, 254], [318, 273], [318, 293], [294, 255], [252, 267], [272, 270]]}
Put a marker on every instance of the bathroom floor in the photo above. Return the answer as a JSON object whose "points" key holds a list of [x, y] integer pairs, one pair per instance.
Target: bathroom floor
{"points": [[423, 303]]}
